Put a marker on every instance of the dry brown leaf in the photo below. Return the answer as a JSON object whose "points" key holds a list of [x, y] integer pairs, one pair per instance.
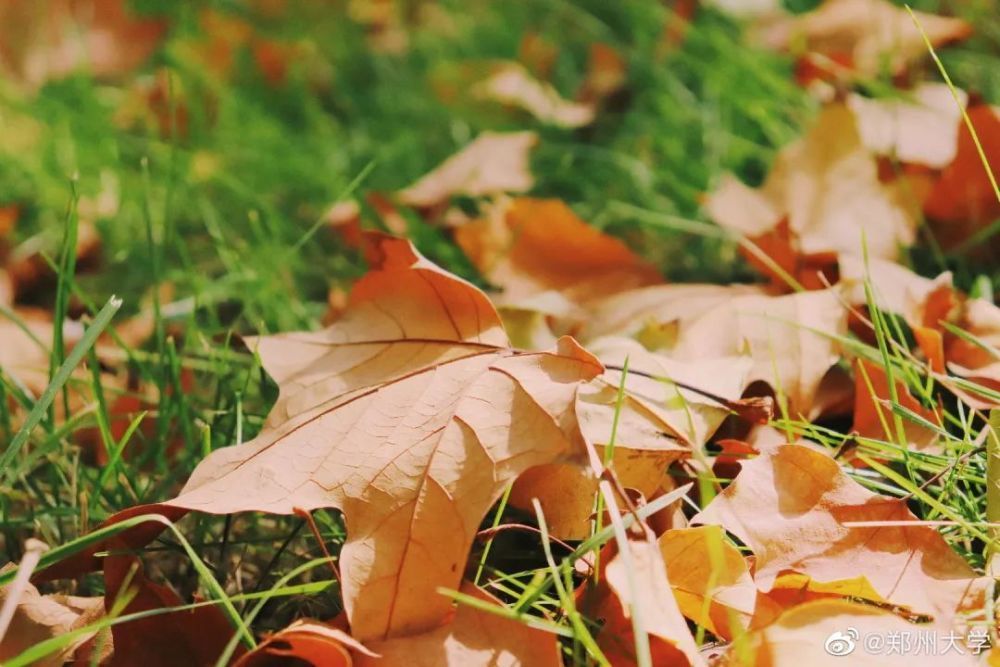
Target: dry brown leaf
{"points": [[789, 506], [921, 128], [40, 617], [818, 634], [512, 85], [658, 423], [493, 164], [411, 414], [962, 201], [710, 579], [636, 580], [530, 246], [790, 339], [860, 36], [311, 642], [873, 415], [473, 638], [188, 637], [44, 41], [827, 187]]}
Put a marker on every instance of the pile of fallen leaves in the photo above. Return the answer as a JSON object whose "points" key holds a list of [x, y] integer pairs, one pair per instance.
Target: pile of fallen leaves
{"points": [[654, 437]]}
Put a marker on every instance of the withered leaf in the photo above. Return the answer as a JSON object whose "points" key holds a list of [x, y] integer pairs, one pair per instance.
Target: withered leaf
{"points": [[410, 414], [511, 84], [820, 633], [493, 164], [861, 36], [530, 246], [44, 41], [789, 505], [473, 638], [637, 582]]}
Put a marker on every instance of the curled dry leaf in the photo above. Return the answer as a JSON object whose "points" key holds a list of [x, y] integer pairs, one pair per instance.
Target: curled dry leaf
{"points": [[658, 423], [860, 37], [826, 185], [819, 634], [637, 583], [791, 339], [411, 414], [473, 638], [530, 246], [40, 617], [790, 504], [511, 84], [44, 41]]}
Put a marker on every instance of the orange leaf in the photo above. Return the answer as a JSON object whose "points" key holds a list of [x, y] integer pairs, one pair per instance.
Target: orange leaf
{"points": [[536, 245]]}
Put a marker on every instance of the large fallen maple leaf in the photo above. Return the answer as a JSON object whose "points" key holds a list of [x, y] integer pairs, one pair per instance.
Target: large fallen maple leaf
{"points": [[43, 41], [861, 36], [789, 505], [412, 415]]}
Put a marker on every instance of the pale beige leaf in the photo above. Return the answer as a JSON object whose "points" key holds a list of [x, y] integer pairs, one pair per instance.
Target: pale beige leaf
{"points": [[513, 85], [789, 338], [740, 208], [40, 617], [863, 34], [657, 423], [921, 128], [652, 314], [493, 164]]}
